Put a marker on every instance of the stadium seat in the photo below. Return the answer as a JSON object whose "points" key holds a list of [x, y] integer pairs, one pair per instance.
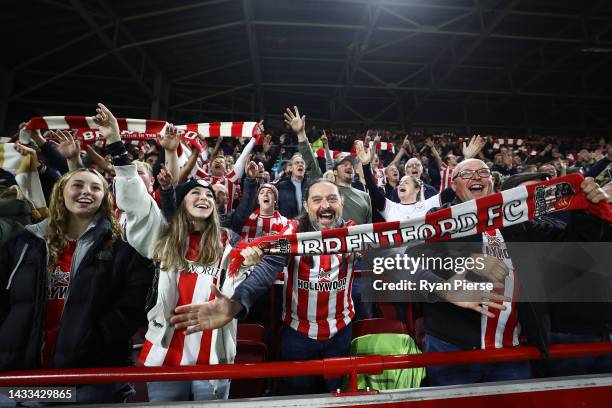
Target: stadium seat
{"points": [[251, 331], [378, 325], [249, 351], [389, 311]]}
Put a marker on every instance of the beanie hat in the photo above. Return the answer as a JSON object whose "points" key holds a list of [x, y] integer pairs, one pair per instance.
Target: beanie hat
{"points": [[271, 187], [183, 189]]}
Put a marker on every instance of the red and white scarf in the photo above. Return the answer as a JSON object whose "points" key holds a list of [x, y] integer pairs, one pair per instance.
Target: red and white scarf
{"points": [[225, 129], [488, 213], [334, 153], [145, 129], [506, 141], [384, 146]]}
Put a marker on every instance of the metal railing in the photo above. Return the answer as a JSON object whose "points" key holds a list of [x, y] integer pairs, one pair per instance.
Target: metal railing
{"points": [[330, 368]]}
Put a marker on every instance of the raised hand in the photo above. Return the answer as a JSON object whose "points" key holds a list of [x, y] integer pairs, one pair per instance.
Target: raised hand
{"points": [[164, 178], [474, 299], [26, 151], [592, 191], [251, 255], [296, 122], [474, 147], [170, 140], [252, 169], [37, 137], [429, 143], [206, 316], [493, 269], [406, 143], [377, 137], [325, 140], [266, 145], [107, 124], [67, 145], [363, 155]]}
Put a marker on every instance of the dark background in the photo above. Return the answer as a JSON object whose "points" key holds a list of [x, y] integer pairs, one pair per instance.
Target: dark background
{"points": [[516, 67]]}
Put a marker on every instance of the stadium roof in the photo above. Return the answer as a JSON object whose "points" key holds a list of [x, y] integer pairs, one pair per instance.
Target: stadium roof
{"points": [[521, 65]]}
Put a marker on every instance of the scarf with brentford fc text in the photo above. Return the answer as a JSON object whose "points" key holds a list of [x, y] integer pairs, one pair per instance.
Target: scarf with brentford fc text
{"points": [[494, 211]]}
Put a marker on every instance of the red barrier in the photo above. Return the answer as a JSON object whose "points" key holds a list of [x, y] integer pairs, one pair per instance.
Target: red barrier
{"points": [[332, 367]]}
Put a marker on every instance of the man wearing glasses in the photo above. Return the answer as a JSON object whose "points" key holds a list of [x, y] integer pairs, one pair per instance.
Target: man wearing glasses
{"points": [[464, 323]]}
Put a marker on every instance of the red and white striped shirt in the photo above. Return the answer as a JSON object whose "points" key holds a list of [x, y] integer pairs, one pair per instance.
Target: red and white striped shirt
{"points": [[445, 176], [193, 287], [258, 225], [504, 329], [317, 292]]}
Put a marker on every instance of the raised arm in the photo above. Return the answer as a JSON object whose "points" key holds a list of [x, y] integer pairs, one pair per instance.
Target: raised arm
{"points": [[402, 151], [240, 165], [222, 310], [68, 148], [97, 159], [170, 142], [236, 219], [329, 160], [145, 222], [434, 152], [189, 165], [298, 125], [50, 152], [377, 197]]}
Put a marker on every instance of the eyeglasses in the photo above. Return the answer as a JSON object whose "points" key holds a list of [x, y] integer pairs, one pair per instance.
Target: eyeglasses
{"points": [[469, 174]]}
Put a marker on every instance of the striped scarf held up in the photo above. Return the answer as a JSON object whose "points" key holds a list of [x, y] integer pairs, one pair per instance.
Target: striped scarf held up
{"points": [[488, 213], [144, 129]]}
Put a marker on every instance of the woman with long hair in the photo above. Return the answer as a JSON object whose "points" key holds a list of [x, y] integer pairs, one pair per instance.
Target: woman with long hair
{"points": [[192, 253], [71, 291]]}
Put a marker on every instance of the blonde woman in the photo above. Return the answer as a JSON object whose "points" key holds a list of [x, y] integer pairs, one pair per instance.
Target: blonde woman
{"points": [[192, 251], [71, 290]]}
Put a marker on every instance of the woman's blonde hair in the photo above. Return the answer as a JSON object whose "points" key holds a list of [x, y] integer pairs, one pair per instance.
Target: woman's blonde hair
{"points": [[173, 244], [59, 215]]}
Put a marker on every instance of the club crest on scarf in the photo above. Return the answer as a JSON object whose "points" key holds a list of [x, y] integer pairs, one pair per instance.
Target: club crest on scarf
{"points": [[283, 246], [58, 284], [552, 198]]}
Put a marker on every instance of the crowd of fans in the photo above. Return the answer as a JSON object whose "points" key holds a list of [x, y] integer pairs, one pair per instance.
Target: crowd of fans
{"points": [[150, 226]]}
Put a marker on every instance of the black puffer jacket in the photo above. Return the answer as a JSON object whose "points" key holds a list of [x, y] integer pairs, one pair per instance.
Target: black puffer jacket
{"points": [[105, 304]]}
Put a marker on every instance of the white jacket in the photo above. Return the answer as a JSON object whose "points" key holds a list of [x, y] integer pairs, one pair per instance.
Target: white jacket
{"points": [[145, 225]]}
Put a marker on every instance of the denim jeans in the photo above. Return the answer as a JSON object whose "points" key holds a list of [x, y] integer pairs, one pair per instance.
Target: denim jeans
{"points": [[200, 390], [471, 373], [296, 346], [579, 365]]}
